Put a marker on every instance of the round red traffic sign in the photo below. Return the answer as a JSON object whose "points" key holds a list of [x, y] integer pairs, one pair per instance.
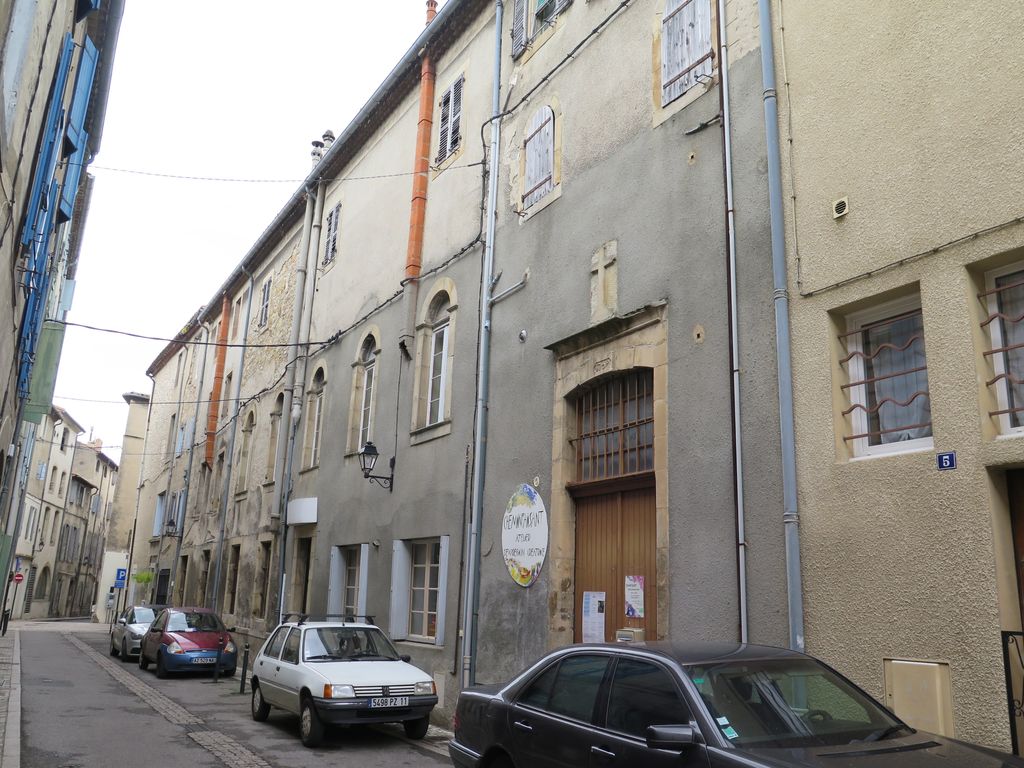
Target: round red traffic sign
{"points": [[19, 577]]}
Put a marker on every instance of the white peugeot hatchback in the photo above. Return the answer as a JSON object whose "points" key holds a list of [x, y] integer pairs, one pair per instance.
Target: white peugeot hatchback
{"points": [[339, 672]]}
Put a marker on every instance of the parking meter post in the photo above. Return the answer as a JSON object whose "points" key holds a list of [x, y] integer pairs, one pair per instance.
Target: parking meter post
{"points": [[245, 668], [216, 666]]}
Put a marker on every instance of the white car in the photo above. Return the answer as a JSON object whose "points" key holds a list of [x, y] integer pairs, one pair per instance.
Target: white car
{"points": [[131, 626], [339, 672]]}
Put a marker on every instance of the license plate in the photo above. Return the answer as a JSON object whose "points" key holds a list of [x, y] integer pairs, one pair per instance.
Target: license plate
{"points": [[389, 701], [203, 660]]}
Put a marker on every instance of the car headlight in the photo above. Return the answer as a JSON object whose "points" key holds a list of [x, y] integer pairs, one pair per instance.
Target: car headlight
{"points": [[135, 635], [424, 688], [339, 692], [230, 647], [173, 647]]}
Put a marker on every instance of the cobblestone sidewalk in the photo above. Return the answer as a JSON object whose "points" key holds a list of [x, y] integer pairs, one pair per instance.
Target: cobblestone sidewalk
{"points": [[10, 700]]}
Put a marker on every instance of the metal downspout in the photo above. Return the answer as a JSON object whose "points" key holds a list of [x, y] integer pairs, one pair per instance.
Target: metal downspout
{"points": [[211, 429], [188, 463], [282, 460], [790, 516], [483, 374], [734, 340], [229, 459]]}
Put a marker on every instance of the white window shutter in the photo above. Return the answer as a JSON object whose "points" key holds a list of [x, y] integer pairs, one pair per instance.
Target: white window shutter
{"points": [[519, 28], [442, 590], [456, 116], [335, 579], [685, 46], [560, 5], [442, 142], [401, 572], [331, 247], [364, 573], [540, 156]]}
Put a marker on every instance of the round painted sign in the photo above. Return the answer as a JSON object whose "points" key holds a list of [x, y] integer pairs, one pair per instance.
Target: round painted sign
{"points": [[524, 535], [19, 577]]}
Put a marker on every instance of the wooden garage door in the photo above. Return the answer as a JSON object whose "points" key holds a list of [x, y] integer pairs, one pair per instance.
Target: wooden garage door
{"points": [[616, 537]]}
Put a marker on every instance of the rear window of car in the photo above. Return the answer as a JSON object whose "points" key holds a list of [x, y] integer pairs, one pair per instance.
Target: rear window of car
{"points": [[274, 648], [291, 648], [570, 689], [193, 622], [143, 616]]}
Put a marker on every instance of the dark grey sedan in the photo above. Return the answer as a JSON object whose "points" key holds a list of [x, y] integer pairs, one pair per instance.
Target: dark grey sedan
{"points": [[688, 705]]}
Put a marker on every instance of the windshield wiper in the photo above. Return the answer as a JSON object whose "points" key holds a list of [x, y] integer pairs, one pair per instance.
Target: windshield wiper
{"points": [[328, 657], [884, 733]]}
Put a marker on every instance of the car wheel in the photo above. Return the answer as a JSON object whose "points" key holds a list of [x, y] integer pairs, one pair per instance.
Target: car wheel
{"points": [[113, 648], [310, 728], [501, 761], [124, 651], [161, 670], [143, 661], [416, 729], [260, 708]]}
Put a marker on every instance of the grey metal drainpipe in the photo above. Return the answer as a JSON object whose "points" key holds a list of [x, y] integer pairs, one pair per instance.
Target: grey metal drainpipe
{"points": [[229, 459], [790, 516], [483, 376]]}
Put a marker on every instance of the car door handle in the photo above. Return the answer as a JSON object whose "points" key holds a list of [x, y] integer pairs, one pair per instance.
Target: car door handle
{"points": [[522, 725], [601, 752], [278, 669]]}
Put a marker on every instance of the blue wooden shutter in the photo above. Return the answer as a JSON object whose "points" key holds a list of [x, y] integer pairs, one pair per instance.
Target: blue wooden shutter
{"points": [[48, 145], [519, 28], [72, 178], [83, 90]]}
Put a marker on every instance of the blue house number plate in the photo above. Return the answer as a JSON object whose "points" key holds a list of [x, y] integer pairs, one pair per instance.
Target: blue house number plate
{"points": [[946, 460]]}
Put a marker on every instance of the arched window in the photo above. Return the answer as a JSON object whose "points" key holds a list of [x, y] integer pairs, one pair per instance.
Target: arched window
{"points": [[367, 360], [275, 431], [439, 368], [615, 427], [314, 419], [435, 356], [42, 584], [53, 480], [242, 475]]}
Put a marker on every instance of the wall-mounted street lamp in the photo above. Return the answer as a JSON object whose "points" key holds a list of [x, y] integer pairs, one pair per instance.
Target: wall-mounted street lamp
{"points": [[368, 459]]}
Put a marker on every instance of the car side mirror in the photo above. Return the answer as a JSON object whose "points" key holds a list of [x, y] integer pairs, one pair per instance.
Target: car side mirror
{"points": [[232, 629], [122, 621], [405, 657], [671, 737], [153, 629]]}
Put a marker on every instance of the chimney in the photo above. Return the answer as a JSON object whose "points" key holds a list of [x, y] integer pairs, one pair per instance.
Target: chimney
{"points": [[431, 10], [317, 153], [328, 138]]}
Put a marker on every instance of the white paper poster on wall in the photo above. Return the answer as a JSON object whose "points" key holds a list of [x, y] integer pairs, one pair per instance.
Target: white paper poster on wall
{"points": [[635, 597], [593, 617]]}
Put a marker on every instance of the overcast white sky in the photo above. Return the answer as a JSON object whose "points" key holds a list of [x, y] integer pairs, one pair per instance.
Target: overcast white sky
{"points": [[209, 88]]}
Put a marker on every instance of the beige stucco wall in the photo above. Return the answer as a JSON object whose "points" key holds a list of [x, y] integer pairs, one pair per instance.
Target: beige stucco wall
{"points": [[911, 114]]}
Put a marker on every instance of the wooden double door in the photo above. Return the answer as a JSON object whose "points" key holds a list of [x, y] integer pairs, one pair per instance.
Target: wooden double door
{"points": [[616, 538]]}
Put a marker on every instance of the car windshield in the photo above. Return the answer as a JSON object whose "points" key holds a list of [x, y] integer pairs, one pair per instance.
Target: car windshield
{"points": [[193, 622], [143, 616], [789, 703], [348, 644]]}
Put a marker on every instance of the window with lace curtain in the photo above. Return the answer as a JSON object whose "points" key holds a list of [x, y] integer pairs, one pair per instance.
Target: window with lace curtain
{"points": [[888, 404]]}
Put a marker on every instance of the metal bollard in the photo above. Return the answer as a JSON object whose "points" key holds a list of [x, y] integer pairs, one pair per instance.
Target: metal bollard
{"points": [[245, 668], [216, 665]]}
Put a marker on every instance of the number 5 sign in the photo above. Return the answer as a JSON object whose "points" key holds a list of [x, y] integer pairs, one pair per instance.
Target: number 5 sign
{"points": [[946, 460]]}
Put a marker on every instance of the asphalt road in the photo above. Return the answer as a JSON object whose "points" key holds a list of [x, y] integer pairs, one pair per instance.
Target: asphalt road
{"points": [[83, 708]]}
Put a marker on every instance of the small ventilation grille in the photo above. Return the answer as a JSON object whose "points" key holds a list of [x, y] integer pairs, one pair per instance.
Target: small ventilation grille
{"points": [[840, 207]]}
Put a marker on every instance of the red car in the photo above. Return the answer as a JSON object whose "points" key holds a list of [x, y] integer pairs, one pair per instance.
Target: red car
{"points": [[187, 639]]}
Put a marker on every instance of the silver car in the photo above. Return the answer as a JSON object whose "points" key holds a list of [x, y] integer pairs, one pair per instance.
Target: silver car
{"points": [[127, 632]]}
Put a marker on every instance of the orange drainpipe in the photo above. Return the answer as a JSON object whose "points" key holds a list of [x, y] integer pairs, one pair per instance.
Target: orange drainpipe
{"points": [[421, 165], [218, 379]]}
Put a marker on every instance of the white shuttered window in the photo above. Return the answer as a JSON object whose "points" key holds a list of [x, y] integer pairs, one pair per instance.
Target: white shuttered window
{"points": [[686, 53], [450, 133], [539, 146], [331, 242]]}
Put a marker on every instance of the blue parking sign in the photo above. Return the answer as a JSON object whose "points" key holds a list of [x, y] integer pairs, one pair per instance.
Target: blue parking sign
{"points": [[120, 578]]}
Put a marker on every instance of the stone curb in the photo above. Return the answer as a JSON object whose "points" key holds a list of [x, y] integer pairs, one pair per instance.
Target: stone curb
{"points": [[11, 757]]}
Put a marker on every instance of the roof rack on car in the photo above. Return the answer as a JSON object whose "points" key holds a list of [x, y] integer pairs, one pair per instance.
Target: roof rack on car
{"points": [[302, 618]]}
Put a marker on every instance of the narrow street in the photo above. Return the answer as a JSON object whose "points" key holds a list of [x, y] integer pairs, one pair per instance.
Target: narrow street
{"points": [[82, 707]]}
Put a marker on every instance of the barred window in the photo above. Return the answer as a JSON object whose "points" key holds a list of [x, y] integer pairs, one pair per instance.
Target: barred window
{"points": [[887, 390], [615, 427], [1004, 300]]}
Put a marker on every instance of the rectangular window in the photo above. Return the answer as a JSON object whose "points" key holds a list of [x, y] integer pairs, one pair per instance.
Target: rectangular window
{"points": [[1004, 299], [259, 603], [530, 17], [419, 572], [158, 515], [364, 410], [331, 240], [887, 388], [438, 374], [264, 314], [236, 313], [686, 47], [231, 591], [318, 415], [450, 130], [539, 154]]}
